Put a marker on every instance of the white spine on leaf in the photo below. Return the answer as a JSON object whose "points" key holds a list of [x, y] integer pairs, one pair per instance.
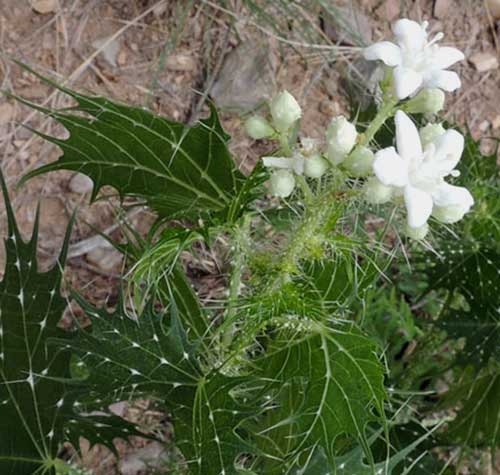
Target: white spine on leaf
{"points": [[341, 137], [258, 128], [285, 111], [282, 183]]}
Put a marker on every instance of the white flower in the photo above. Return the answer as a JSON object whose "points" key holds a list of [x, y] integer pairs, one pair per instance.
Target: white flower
{"points": [[416, 61], [420, 174], [341, 137], [417, 233], [258, 128], [285, 111], [428, 101]]}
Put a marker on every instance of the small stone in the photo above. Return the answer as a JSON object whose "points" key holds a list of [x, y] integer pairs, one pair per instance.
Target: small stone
{"points": [[496, 122], [494, 8], [484, 61], [105, 258], [389, 10], [441, 8], [53, 217], [151, 457], [81, 183], [122, 58], [6, 113], [180, 62], [349, 26], [108, 49], [484, 126], [246, 77], [44, 6]]}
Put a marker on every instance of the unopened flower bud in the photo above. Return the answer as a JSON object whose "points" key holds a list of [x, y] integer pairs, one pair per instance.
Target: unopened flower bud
{"points": [[430, 133], [282, 183], [360, 162], [315, 166], [341, 137], [449, 214], [258, 128], [417, 233], [376, 192], [285, 111], [427, 101]]}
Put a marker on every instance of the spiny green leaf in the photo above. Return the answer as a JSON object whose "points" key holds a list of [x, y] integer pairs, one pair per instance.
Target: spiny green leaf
{"points": [[179, 171], [469, 271], [314, 377], [477, 423], [33, 394], [127, 357]]}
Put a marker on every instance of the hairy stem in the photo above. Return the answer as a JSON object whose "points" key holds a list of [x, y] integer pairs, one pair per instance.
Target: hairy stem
{"points": [[239, 252]]}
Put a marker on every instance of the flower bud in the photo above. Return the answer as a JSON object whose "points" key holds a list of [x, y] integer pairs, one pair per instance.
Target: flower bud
{"points": [[427, 101], [285, 111], [258, 128], [360, 162], [315, 166], [282, 183], [341, 137], [417, 233], [376, 192], [449, 214], [430, 133]]}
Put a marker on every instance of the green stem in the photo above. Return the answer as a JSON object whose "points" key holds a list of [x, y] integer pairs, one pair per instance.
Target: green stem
{"points": [[239, 252], [387, 110]]}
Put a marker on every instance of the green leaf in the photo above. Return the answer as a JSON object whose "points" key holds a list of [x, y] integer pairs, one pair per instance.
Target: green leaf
{"points": [[179, 171], [126, 357], [477, 423], [33, 394], [470, 273], [208, 425], [313, 379]]}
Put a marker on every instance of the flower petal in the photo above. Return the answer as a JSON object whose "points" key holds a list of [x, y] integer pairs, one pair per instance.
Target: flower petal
{"points": [[419, 206], [278, 162], [388, 52], [390, 168], [449, 149], [407, 138], [450, 195], [410, 34], [445, 80], [406, 81], [445, 56]]}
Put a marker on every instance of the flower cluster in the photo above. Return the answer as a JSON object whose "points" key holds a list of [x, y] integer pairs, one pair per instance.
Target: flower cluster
{"points": [[414, 171]]}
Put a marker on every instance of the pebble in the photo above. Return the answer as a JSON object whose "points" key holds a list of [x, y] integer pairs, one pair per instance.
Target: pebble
{"points": [[108, 49], [6, 113], [180, 62], [81, 183], [484, 126], [441, 8], [496, 122], [494, 8], [484, 61], [389, 10], [44, 6], [105, 258]]}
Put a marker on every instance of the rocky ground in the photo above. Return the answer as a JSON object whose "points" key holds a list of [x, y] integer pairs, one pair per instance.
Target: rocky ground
{"points": [[170, 56]]}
